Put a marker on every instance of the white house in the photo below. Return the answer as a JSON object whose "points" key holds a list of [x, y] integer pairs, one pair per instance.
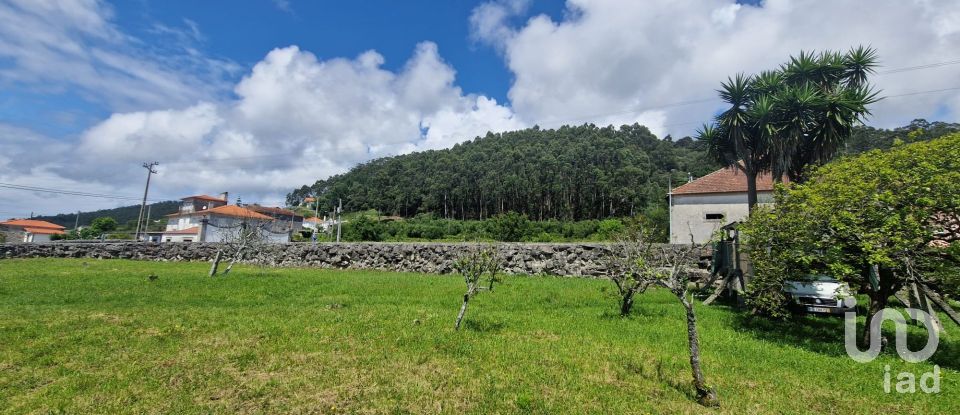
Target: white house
{"points": [[211, 219], [29, 230], [702, 206], [322, 225]]}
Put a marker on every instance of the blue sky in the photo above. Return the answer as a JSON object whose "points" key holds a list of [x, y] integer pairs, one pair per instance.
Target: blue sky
{"points": [[245, 31], [258, 97]]}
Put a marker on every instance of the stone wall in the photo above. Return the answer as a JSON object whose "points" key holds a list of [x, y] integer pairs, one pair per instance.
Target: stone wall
{"points": [[551, 259]]}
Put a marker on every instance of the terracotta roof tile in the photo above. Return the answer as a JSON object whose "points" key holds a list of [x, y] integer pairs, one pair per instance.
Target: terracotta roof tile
{"points": [[725, 180], [274, 210], [44, 231], [236, 211], [188, 231], [25, 223]]}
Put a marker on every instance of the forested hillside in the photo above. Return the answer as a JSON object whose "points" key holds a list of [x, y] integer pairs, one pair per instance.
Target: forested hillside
{"points": [[869, 138], [571, 173], [123, 215]]}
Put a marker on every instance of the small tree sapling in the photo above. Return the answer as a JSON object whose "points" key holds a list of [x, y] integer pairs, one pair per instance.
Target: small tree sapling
{"points": [[626, 266], [477, 265], [642, 264]]}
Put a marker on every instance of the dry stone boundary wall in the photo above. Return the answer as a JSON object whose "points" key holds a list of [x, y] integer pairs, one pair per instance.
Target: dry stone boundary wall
{"points": [[574, 260]]}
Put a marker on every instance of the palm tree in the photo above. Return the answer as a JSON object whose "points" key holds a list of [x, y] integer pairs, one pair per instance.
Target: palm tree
{"points": [[742, 135], [823, 98], [784, 120]]}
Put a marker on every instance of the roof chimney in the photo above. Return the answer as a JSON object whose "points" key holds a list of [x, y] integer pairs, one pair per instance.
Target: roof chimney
{"points": [[225, 196]]}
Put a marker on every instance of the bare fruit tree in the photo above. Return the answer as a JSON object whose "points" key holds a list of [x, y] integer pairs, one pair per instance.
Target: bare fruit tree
{"points": [[626, 267], [642, 264], [235, 240], [477, 266]]}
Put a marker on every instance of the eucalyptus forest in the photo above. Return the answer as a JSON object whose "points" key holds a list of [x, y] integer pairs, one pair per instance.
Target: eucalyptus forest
{"points": [[569, 173]]}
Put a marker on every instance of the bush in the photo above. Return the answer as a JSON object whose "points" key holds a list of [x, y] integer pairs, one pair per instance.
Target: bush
{"points": [[363, 229], [866, 220], [103, 225], [508, 227], [608, 228]]}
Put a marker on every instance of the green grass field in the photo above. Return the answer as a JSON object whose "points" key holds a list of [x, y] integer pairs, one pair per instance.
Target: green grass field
{"points": [[97, 336]]}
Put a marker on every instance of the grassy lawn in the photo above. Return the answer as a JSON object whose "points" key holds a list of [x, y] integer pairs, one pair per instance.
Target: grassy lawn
{"points": [[89, 336]]}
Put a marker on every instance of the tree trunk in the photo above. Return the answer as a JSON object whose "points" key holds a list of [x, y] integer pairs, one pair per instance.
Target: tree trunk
{"points": [[878, 301], [463, 310], [751, 189], [705, 395], [216, 263], [235, 258], [626, 304], [939, 301]]}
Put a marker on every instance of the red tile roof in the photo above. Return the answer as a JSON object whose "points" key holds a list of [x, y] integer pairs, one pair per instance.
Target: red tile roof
{"points": [[35, 226], [274, 210], [44, 231], [188, 231], [236, 211], [725, 180], [205, 197], [313, 220]]}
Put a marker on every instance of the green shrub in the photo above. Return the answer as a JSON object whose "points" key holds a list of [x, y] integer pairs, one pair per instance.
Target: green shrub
{"points": [[508, 227], [363, 228], [608, 228]]}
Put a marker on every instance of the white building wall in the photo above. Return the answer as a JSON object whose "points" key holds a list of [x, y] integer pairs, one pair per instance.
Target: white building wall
{"points": [[688, 215], [179, 238], [39, 238], [225, 229]]}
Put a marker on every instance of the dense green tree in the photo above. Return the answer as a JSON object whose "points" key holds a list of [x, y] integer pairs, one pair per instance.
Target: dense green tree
{"points": [[508, 227], [103, 224], [363, 228], [783, 120], [570, 173], [865, 219]]}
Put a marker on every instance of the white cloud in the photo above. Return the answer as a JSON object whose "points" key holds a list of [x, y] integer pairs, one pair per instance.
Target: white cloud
{"points": [[73, 45], [290, 120], [609, 56], [295, 119], [490, 21]]}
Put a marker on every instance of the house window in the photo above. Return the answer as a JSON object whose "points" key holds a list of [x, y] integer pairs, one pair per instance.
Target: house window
{"points": [[714, 216], [188, 239]]}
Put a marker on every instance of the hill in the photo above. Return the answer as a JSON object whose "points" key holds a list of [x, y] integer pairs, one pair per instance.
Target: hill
{"points": [[123, 215], [569, 173]]}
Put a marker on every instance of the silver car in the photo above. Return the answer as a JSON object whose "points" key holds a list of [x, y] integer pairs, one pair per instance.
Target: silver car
{"points": [[818, 294]]}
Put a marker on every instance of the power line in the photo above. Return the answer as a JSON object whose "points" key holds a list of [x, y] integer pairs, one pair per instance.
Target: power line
{"points": [[922, 92], [919, 67], [69, 192]]}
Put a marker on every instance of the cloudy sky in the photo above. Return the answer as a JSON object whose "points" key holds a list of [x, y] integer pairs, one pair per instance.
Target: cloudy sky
{"points": [[259, 97]]}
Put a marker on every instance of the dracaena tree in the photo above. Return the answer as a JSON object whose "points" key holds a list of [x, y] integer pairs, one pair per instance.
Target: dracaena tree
{"points": [[800, 114]]}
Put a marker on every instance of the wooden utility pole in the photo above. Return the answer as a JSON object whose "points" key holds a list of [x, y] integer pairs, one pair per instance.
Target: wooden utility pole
{"points": [[150, 171], [146, 224], [339, 217], [76, 222]]}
